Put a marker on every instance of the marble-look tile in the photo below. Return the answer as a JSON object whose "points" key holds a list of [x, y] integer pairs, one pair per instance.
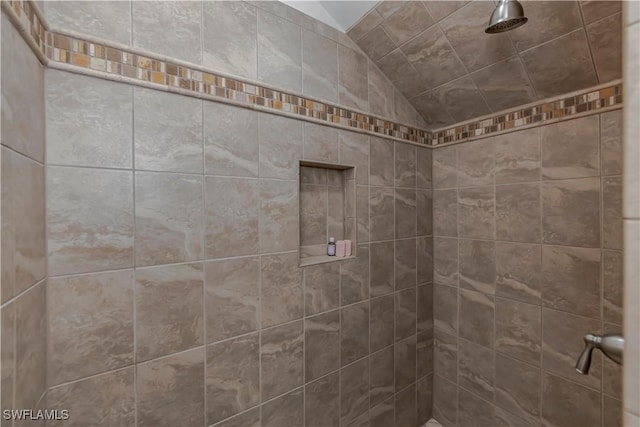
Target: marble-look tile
{"points": [[169, 311], [109, 398], [362, 214], [381, 378], [461, 98], [445, 309], [424, 251], [612, 373], [23, 105], [476, 213], [424, 168], [476, 369], [90, 325], [181, 19], [405, 165], [445, 355], [360, 421], [518, 213], [320, 143], [229, 31], [605, 39], [376, 44], [431, 109], [167, 131], [31, 353], [387, 9], [612, 212], [518, 328], [424, 354], [405, 361], [382, 169], [406, 407], [410, 19], [474, 411], [232, 207], [89, 219], [405, 264], [517, 387], [230, 139], [546, 26], [282, 296], [445, 261], [232, 297], [319, 66], [476, 317], [505, 84], [445, 172], [99, 112], [445, 401], [367, 23], [611, 142], [571, 212], [593, 10], [313, 175], [382, 415], [279, 52], [571, 280], [425, 308], [313, 214], [433, 57], [278, 154], [282, 359], [612, 287], [476, 163], [570, 149], [354, 277], [561, 65], [381, 93], [354, 390], [612, 412], [445, 213], [170, 390], [322, 402], [287, 410], [562, 344], [382, 322], [381, 208], [322, 344], [353, 88], [465, 30], [382, 268], [232, 377], [518, 271], [517, 156], [169, 218], [321, 288], [405, 318], [476, 260], [99, 19], [565, 403], [508, 419], [8, 354], [354, 151], [354, 329], [441, 9], [7, 190], [250, 418], [278, 216]]}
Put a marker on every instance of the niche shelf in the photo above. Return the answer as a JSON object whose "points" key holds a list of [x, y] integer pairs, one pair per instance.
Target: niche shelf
{"points": [[327, 197]]}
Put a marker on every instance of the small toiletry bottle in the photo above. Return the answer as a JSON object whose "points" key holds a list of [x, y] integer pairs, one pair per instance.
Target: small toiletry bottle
{"points": [[331, 247]]}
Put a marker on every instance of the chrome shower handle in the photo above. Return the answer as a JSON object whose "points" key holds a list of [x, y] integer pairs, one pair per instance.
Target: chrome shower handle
{"points": [[611, 345]]}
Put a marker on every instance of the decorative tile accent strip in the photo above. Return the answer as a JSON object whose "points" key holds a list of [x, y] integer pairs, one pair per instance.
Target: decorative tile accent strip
{"points": [[589, 100], [127, 63]]}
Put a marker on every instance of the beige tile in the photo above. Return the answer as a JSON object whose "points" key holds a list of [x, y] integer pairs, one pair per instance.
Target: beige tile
{"points": [[89, 219], [405, 213], [595, 10], [320, 143], [445, 213], [476, 163], [99, 114], [477, 259], [381, 206], [281, 359], [382, 322], [354, 150], [278, 155], [571, 212], [406, 407], [321, 288], [476, 212], [476, 317], [410, 19], [319, 66], [382, 169], [279, 52], [229, 31], [367, 23], [169, 312], [505, 84], [517, 156], [612, 212], [473, 410], [108, 397], [445, 173], [322, 344], [286, 410], [605, 41], [352, 87], [518, 330], [517, 388], [169, 218], [544, 26], [445, 309], [354, 332], [232, 209], [322, 402], [90, 325], [461, 98], [282, 296], [232, 377], [8, 354], [566, 403], [354, 277], [612, 287], [611, 142], [519, 271], [518, 213], [476, 369], [230, 138], [170, 390]]}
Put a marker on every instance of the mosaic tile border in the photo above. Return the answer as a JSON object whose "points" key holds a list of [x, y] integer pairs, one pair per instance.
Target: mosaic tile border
{"points": [[55, 48]]}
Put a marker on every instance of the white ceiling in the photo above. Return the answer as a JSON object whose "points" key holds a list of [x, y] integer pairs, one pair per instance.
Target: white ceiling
{"points": [[340, 14]]}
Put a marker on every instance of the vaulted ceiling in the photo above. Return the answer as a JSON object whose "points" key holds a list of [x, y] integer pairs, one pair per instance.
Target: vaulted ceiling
{"points": [[439, 57]]}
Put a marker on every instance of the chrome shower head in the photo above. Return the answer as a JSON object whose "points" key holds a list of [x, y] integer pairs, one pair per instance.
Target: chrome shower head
{"points": [[508, 15]]}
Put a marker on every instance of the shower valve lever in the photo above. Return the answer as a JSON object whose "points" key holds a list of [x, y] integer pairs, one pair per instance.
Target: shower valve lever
{"points": [[611, 345]]}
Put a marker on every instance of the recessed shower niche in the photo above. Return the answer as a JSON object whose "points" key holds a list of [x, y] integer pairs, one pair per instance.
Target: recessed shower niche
{"points": [[327, 209]]}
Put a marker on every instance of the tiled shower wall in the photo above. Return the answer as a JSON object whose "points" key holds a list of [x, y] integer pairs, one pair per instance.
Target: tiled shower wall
{"points": [[22, 294], [527, 259], [175, 296]]}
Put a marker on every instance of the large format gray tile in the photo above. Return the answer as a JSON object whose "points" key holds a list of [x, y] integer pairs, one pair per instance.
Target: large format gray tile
{"points": [[605, 41], [319, 66], [405, 360], [382, 322], [476, 163], [354, 151], [405, 319], [279, 52], [322, 402], [322, 344], [518, 330], [382, 268], [286, 410], [367, 23], [505, 84], [517, 156], [476, 368], [408, 20], [565, 403], [381, 207], [462, 99], [445, 355], [354, 390], [376, 43], [282, 297], [518, 213], [517, 388], [354, 332], [281, 359], [474, 411], [477, 259], [405, 264], [354, 277], [432, 109], [445, 213], [406, 407], [352, 78], [445, 400], [476, 212], [612, 287], [611, 142], [381, 376], [612, 237], [405, 213], [280, 146], [445, 309], [381, 93], [321, 288], [477, 313], [278, 216], [445, 173]]}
